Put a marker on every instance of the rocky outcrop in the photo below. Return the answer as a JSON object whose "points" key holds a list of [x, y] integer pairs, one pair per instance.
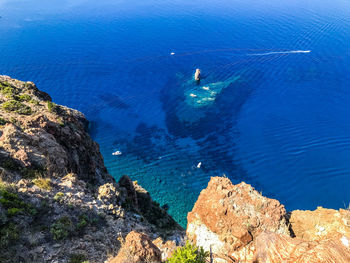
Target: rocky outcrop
{"points": [[137, 248], [57, 201], [320, 224], [237, 224], [197, 75], [139, 199], [38, 134], [226, 218], [276, 248]]}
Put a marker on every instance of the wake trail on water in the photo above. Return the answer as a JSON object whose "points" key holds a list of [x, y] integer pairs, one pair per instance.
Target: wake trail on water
{"points": [[280, 52]]}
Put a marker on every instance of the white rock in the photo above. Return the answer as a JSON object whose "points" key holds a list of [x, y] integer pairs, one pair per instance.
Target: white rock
{"points": [[345, 241]]}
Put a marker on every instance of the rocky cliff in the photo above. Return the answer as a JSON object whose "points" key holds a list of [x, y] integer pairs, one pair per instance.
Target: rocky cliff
{"points": [[238, 224], [57, 201]]}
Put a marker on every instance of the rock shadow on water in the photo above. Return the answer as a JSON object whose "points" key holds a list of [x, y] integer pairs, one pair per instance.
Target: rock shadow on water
{"points": [[114, 101], [147, 143]]}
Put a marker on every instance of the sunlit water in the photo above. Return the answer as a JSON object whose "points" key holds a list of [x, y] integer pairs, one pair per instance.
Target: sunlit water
{"points": [[272, 108]]}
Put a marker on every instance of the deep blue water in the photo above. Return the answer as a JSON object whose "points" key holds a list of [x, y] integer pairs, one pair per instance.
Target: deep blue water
{"points": [[275, 118]]}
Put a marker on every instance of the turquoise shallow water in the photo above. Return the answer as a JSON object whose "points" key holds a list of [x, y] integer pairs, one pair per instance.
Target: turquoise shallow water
{"points": [[272, 108]]}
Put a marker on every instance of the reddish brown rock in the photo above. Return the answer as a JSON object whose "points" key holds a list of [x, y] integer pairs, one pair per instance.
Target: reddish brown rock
{"points": [[226, 218], [167, 248], [277, 248], [136, 249], [320, 224], [237, 224]]}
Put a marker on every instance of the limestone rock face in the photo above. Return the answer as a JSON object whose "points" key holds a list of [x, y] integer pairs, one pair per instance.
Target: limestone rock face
{"points": [[226, 218], [137, 248]]}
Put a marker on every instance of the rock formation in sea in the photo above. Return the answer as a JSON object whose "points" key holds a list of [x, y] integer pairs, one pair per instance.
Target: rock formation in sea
{"points": [[59, 204], [57, 201]]}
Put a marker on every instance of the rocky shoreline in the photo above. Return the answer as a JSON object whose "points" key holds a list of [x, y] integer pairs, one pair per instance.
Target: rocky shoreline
{"points": [[59, 204]]}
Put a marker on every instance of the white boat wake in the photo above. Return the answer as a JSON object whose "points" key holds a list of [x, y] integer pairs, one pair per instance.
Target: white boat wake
{"points": [[281, 52]]}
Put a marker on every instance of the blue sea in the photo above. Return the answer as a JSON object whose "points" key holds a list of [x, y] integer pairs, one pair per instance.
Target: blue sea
{"points": [[272, 107]]}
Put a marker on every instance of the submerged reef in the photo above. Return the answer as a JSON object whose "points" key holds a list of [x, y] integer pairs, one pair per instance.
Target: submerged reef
{"points": [[196, 110]]}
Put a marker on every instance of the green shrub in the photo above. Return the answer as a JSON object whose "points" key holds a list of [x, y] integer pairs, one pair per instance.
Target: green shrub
{"points": [[43, 183], [86, 220], [3, 121], [14, 121], [12, 202], [8, 234], [35, 102], [24, 97], [14, 211], [62, 228], [51, 106], [58, 197], [16, 106], [32, 172], [8, 91], [78, 258], [189, 254], [83, 222]]}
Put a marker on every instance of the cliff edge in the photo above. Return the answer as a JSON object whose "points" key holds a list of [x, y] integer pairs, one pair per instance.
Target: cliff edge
{"points": [[57, 201], [237, 224]]}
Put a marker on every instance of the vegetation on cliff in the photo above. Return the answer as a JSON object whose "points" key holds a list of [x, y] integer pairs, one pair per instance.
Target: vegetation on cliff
{"points": [[57, 200], [189, 253]]}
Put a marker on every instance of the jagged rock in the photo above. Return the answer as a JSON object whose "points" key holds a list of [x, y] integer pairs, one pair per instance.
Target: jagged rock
{"points": [[57, 135], [126, 183], [167, 248], [237, 224], [277, 248], [136, 249], [107, 193], [142, 202], [320, 224], [226, 218]]}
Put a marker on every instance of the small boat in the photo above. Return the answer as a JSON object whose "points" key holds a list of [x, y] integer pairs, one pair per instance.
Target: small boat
{"points": [[117, 153]]}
